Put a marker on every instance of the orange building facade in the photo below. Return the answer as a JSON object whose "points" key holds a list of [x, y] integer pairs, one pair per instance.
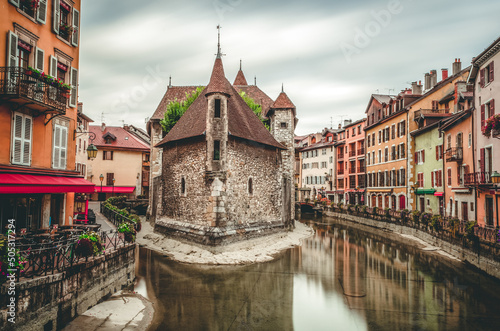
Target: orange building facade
{"points": [[354, 163], [38, 112], [386, 150]]}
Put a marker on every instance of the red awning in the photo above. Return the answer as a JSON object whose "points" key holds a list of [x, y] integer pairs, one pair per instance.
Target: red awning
{"points": [[116, 189], [21, 183], [438, 194]]}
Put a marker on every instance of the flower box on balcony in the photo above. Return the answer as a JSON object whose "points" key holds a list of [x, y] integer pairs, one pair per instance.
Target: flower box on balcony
{"points": [[492, 126]]}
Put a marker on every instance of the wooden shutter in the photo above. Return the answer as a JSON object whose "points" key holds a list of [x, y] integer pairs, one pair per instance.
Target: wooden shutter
{"points": [[76, 26], [437, 152], [27, 140], [416, 157], [481, 77], [449, 177], [399, 125], [56, 16], [63, 147], [53, 66], [482, 162], [483, 108], [432, 179], [423, 155], [56, 152], [13, 51], [74, 87], [403, 128], [17, 139], [492, 108], [492, 72], [41, 15], [21, 139], [15, 2], [39, 58]]}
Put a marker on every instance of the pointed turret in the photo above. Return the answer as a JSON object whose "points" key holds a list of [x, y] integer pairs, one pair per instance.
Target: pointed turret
{"points": [[240, 79], [218, 81], [283, 102]]}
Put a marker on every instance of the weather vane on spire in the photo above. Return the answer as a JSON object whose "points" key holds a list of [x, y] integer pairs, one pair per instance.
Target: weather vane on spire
{"points": [[219, 52]]}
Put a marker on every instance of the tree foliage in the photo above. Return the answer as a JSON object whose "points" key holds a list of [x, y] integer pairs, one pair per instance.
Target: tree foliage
{"points": [[176, 109], [255, 107]]}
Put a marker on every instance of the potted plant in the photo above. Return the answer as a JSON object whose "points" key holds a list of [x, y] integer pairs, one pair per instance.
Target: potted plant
{"points": [[30, 4], [65, 30], [128, 231], [492, 124], [89, 244]]}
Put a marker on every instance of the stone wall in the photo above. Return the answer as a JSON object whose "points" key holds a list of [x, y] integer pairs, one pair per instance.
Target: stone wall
{"points": [[155, 160], [186, 160], [50, 302], [486, 258]]}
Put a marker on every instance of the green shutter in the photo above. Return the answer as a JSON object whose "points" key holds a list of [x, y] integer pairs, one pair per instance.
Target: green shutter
{"points": [[15, 2], [39, 58]]}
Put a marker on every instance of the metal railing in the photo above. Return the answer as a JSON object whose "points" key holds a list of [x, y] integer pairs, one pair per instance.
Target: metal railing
{"points": [[361, 151], [352, 153], [454, 154], [116, 218], [16, 83], [477, 178], [58, 256], [419, 113]]}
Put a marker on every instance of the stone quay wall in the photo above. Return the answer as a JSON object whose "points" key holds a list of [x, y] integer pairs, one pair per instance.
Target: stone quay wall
{"points": [[485, 256], [50, 302]]}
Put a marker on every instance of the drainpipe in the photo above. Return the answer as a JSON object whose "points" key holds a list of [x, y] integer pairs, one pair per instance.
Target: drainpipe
{"points": [[474, 155]]}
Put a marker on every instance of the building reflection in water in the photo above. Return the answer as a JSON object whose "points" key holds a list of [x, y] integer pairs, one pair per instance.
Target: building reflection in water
{"points": [[341, 278]]}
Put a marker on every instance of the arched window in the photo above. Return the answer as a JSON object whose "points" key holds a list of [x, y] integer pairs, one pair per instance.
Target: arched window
{"points": [[183, 186], [250, 186]]}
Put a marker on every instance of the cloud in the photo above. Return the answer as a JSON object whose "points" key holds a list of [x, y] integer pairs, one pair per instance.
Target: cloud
{"points": [[294, 42]]}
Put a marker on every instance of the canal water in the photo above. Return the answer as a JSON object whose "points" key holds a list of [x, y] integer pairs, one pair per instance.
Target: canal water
{"points": [[345, 277]]}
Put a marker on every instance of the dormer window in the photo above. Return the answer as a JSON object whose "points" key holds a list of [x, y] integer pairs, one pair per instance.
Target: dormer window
{"points": [[109, 138]]}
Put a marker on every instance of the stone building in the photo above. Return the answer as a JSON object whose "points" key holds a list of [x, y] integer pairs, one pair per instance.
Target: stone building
{"points": [[224, 176]]}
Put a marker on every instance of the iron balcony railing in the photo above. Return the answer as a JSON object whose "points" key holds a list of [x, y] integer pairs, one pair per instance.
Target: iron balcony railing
{"points": [[361, 169], [352, 170], [477, 178], [352, 153], [340, 172], [361, 151], [340, 157], [454, 154], [17, 86]]}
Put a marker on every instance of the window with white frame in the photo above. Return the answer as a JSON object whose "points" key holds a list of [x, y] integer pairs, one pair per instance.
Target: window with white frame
{"points": [[66, 21], [59, 150], [35, 9], [22, 128]]}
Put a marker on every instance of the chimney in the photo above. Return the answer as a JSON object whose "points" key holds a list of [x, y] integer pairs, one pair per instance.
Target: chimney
{"points": [[427, 81], [347, 122], [433, 78], [340, 126], [126, 127], [416, 88], [103, 127], [457, 66], [444, 73]]}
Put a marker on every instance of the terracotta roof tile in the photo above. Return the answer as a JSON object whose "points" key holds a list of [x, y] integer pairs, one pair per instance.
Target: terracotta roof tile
{"points": [[240, 79], [242, 122], [123, 138], [173, 93], [283, 102], [258, 96]]}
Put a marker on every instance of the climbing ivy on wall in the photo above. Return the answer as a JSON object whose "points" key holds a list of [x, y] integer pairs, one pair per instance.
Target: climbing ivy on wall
{"points": [[176, 109]]}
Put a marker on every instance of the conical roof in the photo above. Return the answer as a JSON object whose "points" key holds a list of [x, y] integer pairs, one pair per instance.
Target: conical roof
{"points": [[218, 81], [283, 102], [240, 79], [242, 122]]}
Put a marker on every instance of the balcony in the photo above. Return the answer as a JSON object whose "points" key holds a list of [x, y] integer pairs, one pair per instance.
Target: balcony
{"points": [[33, 93], [352, 153], [422, 112], [454, 154], [361, 169], [340, 157], [352, 170], [361, 151], [340, 172], [478, 179]]}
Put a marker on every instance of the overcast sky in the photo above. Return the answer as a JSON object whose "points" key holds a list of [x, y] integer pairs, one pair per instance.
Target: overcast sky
{"points": [[330, 55]]}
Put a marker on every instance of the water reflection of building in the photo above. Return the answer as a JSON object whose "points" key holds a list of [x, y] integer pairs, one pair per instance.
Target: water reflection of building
{"points": [[380, 280], [194, 297]]}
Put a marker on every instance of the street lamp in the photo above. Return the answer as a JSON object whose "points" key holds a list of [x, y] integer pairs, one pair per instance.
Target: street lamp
{"points": [[495, 177], [101, 178], [91, 149], [113, 193]]}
